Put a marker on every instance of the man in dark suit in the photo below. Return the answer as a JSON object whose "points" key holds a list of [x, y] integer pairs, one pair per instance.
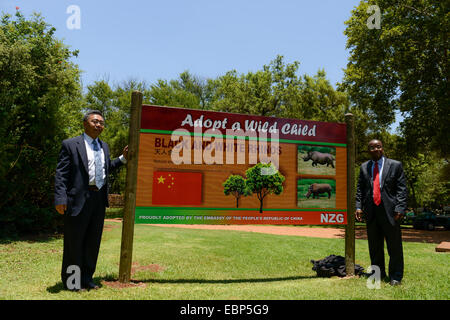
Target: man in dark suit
{"points": [[81, 194], [381, 197]]}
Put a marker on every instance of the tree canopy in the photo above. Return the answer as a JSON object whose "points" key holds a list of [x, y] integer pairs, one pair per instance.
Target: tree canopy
{"points": [[236, 185], [38, 81], [402, 67], [264, 179]]}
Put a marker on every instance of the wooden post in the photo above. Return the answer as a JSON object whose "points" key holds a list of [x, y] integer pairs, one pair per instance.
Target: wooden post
{"points": [[126, 250], [351, 194]]}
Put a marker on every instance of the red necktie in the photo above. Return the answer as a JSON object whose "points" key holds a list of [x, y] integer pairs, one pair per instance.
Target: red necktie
{"points": [[376, 185]]}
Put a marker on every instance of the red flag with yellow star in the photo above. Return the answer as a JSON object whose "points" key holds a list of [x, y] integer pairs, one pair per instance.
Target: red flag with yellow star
{"points": [[177, 188]]}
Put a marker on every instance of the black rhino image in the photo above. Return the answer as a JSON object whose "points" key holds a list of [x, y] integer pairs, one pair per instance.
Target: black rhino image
{"points": [[318, 188], [320, 158]]}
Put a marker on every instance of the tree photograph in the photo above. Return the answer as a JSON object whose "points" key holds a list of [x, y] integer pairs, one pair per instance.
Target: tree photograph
{"points": [[236, 186], [264, 179]]}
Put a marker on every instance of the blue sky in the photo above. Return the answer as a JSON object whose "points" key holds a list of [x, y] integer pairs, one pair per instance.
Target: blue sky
{"points": [[150, 40]]}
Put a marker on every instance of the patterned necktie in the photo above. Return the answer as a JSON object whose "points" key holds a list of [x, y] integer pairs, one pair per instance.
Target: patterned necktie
{"points": [[98, 165], [376, 185]]}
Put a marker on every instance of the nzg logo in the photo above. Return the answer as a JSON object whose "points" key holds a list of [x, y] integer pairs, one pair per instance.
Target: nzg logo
{"points": [[74, 280], [74, 20], [331, 218]]}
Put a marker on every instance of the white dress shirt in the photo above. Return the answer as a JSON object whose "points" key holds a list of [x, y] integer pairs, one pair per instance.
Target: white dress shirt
{"points": [[91, 158]]}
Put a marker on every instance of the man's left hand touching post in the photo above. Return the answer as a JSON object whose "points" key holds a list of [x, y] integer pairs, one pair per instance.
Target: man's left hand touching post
{"points": [[398, 216], [125, 152]]}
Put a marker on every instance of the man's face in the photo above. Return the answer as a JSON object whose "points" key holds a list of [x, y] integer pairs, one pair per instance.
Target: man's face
{"points": [[375, 149], [94, 125]]}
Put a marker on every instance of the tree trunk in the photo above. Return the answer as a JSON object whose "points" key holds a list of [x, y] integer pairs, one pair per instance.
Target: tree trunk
{"points": [[261, 204]]}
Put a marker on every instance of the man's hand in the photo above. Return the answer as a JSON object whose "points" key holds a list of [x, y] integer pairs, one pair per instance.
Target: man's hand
{"points": [[125, 152], [359, 215], [398, 216], [61, 208]]}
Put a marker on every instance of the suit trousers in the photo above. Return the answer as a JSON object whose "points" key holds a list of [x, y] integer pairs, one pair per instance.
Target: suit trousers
{"points": [[379, 229], [82, 237]]}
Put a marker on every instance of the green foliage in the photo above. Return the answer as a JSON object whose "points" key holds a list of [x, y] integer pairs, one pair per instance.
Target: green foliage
{"points": [[187, 92], [277, 90], [428, 180], [403, 66], [114, 103], [236, 185], [266, 92], [264, 179], [320, 101], [38, 84]]}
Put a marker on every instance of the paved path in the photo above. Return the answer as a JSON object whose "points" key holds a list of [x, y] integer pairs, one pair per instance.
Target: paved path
{"points": [[408, 234]]}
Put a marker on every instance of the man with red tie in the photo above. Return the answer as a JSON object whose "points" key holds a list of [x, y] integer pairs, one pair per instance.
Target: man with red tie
{"points": [[381, 196]]}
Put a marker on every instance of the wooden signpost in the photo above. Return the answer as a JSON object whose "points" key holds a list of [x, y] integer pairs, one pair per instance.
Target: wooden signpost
{"points": [[203, 167], [126, 251], [351, 193]]}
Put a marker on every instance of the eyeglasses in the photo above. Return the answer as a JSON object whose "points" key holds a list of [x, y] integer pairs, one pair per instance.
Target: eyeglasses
{"points": [[95, 121]]}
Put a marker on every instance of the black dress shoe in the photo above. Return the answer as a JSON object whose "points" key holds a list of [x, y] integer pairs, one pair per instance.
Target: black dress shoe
{"points": [[92, 286], [395, 283]]}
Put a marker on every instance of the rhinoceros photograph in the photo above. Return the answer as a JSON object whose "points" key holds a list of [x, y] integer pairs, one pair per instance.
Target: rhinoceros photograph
{"points": [[316, 193], [316, 160]]}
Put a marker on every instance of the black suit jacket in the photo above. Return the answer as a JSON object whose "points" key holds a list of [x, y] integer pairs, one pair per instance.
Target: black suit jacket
{"points": [[393, 189], [72, 175]]}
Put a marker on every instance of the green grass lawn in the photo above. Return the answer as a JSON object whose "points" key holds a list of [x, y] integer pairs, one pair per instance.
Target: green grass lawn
{"points": [[216, 264]]}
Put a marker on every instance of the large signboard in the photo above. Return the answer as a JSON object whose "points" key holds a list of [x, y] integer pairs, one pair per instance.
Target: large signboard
{"points": [[204, 167]]}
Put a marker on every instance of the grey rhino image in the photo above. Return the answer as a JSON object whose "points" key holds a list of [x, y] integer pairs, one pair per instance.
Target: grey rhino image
{"points": [[317, 188], [319, 157]]}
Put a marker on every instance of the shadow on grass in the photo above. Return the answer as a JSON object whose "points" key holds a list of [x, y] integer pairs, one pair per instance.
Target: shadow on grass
{"points": [[224, 281], [31, 238], [58, 287]]}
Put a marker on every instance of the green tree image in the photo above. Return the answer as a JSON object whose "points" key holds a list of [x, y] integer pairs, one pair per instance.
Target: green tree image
{"points": [[264, 179], [236, 185]]}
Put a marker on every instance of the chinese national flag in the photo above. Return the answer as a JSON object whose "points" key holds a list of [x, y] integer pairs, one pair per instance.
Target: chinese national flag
{"points": [[177, 188]]}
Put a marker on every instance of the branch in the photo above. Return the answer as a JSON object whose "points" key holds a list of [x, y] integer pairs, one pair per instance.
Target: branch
{"points": [[417, 10], [265, 193], [259, 194], [22, 147], [15, 162]]}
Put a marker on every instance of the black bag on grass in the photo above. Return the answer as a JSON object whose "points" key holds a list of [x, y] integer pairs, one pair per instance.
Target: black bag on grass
{"points": [[333, 266]]}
